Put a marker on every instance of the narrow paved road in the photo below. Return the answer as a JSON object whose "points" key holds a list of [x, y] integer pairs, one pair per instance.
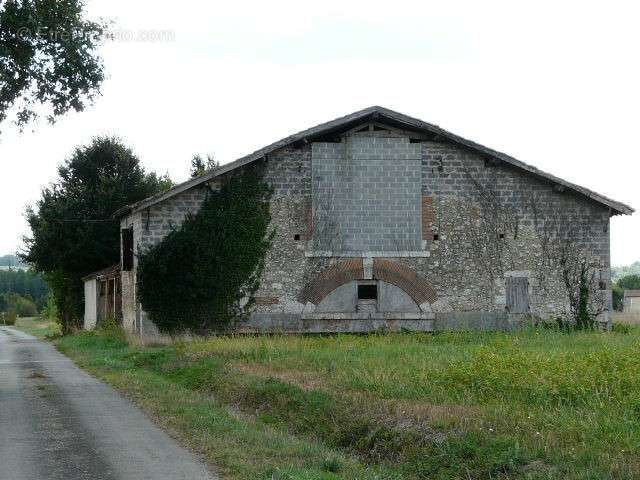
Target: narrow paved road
{"points": [[58, 422]]}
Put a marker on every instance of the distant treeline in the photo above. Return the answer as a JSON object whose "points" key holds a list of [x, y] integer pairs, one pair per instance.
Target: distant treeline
{"points": [[10, 261], [20, 288], [619, 272]]}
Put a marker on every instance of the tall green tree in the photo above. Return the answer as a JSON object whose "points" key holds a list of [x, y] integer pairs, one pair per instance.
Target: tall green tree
{"points": [[49, 59], [199, 165], [73, 231]]}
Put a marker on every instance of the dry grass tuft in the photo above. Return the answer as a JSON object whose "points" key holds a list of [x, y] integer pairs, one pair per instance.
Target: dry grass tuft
{"points": [[628, 318], [305, 380], [159, 339]]}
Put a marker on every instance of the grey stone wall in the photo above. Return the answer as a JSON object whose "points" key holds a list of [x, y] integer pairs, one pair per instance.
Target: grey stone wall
{"points": [[468, 263]]}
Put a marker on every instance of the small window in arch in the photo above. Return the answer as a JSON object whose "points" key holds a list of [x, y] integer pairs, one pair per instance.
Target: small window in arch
{"points": [[367, 291]]}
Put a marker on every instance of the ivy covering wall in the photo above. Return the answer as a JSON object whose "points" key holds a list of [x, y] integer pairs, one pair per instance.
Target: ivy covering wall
{"points": [[200, 276]]}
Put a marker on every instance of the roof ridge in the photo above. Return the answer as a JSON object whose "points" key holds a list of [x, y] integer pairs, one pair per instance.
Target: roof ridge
{"points": [[412, 122]]}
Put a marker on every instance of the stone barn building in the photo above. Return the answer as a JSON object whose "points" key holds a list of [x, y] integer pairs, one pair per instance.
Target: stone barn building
{"points": [[386, 222]]}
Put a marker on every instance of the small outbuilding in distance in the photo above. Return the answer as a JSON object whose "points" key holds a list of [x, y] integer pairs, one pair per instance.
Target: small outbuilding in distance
{"points": [[102, 296], [631, 301]]}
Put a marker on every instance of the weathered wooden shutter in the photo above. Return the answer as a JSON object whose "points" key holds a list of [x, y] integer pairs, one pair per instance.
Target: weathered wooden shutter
{"points": [[517, 294], [127, 249]]}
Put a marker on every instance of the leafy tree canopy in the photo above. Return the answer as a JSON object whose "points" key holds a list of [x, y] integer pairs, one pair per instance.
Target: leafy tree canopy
{"points": [[22, 306], [629, 282], [48, 58], [73, 231], [199, 165], [24, 283]]}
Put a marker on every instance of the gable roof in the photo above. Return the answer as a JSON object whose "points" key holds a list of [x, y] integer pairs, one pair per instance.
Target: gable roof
{"points": [[383, 115]]}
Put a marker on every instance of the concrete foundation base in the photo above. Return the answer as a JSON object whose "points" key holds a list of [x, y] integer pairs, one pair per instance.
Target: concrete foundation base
{"points": [[379, 322]]}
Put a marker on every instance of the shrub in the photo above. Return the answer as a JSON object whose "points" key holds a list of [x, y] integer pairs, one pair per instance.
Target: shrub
{"points": [[25, 307], [198, 276], [50, 309], [110, 328], [9, 318], [630, 282], [621, 328], [617, 293]]}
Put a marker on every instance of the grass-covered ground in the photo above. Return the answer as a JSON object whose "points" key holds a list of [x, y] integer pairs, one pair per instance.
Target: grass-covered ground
{"points": [[627, 318], [530, 405], [38, 327]]}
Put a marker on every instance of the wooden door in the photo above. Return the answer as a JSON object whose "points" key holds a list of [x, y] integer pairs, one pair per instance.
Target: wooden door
{"points": [[517, 294]]}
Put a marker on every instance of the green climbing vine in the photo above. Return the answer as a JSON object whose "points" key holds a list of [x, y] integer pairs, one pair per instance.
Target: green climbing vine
{"points": [[198, 278]]}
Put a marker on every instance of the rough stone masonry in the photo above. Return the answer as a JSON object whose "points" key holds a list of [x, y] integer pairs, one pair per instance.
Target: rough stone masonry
{"points": [[385, 222]]}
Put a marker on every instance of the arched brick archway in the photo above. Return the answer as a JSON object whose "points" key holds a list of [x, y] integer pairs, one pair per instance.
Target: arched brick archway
{"points": [[404, 278], [331, 278], [352, 269]]}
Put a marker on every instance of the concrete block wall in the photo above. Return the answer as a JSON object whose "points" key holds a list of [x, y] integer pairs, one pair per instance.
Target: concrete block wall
{"points": [[366, 194]]}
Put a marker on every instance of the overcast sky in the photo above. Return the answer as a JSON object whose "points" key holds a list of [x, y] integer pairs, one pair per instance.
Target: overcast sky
{"points": [[554, 84]]}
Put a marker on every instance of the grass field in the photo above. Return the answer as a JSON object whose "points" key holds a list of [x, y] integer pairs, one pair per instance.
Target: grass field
{"points": [[38, 327], [627, 318], [528, 405]]}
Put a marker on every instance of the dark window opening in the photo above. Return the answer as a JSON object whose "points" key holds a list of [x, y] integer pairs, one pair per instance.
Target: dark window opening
{"points": [[368, 292], [436, 236], [501, 236], [415, 140], [603, 285], [127, 249], [296, 237]]}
